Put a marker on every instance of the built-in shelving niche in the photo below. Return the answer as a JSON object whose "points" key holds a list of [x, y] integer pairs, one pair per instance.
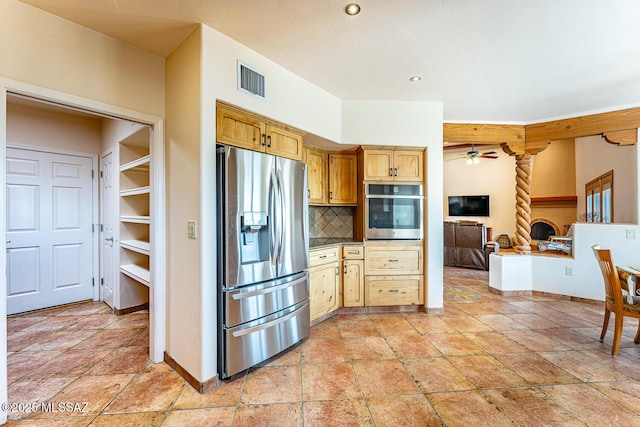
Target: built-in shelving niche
{"points": [[135, 220]]}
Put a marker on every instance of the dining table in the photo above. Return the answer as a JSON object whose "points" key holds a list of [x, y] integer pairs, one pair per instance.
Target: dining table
{"points": [[629, 274]]}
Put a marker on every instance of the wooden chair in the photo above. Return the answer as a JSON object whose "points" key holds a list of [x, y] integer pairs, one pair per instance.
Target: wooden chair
{"points": [[614, 301]]}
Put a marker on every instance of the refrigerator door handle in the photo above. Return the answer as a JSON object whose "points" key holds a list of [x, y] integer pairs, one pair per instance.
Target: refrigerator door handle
{"points": [[266, 291], [273, 198], [281, 209], [267, 325]]}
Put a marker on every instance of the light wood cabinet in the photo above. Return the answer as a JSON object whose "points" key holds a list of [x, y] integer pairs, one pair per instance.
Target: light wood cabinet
{"points": [[246, 130], [393, 290], [393, 274], [352, 283], [283, 143], [324, 282], [352, 276], [317, 176], [393, 165], [397, 260], [238, 130], [332, 177], [343, 169]]}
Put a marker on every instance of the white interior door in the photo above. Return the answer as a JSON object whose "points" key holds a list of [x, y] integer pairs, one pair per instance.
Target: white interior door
{"points": [[49, 201], [107, 221]]}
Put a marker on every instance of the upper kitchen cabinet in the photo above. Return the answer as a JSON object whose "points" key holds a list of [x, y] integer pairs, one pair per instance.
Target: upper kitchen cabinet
{"points": [[283, 143], [332, 177], [393, 164], [343, 171], [317, 176], [244, 129]]}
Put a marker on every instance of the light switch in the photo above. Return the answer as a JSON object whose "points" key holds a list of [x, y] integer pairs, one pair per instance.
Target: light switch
{"points": [[631, 233], [191, 229]]}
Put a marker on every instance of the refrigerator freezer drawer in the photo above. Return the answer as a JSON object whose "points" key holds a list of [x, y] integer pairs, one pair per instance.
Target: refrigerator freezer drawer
{"points": [[253, 302], [254, 342]]}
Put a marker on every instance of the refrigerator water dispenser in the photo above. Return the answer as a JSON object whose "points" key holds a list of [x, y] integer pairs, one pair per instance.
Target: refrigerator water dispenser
{"points": [[254, 245]]}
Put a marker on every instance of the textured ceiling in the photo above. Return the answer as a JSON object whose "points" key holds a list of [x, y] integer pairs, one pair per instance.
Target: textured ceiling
{"points": [[517, 61]]}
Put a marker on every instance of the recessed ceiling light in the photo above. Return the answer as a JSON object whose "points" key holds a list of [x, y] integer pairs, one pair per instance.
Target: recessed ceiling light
{"points": [[415, 78], [352, 9]]}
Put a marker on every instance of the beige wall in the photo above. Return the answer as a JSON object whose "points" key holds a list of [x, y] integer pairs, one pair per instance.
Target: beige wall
{"points": [[42, 128], [43, 50], [554, 175], [185, 332], [114, 131], [495, 177], [594, 157], [554, 170]]}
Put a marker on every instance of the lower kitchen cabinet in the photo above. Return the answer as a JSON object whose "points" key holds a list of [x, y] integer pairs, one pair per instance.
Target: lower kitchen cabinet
{"points": [[324, 281], [353, 276], [324, 289], [393, 273], [352, 283], [393, 290]]}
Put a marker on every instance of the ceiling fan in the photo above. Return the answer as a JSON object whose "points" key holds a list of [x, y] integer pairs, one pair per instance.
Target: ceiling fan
{"points": [[473, 156]]}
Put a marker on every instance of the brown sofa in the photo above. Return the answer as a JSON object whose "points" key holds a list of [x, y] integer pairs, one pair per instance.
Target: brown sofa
{"points": [[465, 245]]}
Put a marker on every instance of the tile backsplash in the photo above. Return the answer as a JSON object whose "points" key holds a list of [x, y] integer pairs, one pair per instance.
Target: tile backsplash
{"points": [[331, 222]]}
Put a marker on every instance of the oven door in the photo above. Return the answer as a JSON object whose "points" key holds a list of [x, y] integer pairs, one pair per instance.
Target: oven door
{"points": [[393, 211]]}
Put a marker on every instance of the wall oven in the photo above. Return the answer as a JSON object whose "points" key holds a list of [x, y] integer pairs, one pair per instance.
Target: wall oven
{"points": [[393, 211]]}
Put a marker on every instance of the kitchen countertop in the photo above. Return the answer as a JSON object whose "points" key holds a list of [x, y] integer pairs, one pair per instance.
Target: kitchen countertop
{"points": [[322, 242]]}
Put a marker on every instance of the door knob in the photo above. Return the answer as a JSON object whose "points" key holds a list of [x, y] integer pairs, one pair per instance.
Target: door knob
{"points": [[110, 239]]}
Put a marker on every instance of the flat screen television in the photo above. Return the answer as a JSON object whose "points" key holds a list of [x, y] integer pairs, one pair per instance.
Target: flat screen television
{"points": [[468, 205]]}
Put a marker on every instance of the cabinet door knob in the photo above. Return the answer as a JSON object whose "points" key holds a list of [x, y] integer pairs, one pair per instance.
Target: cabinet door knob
{"points": [[330, 195], [394, 290], [337, 271], [396, 172], [269, 139], [393, 260], [390, 171], [264, 139]]}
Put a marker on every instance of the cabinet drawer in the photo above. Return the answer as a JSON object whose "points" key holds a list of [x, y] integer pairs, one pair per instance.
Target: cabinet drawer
{"points": [[385, 290], [323, 256], [380, 260], [353, 252]]}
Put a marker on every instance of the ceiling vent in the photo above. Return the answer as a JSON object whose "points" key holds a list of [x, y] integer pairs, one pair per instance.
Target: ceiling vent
{"points": [[251, 81]]}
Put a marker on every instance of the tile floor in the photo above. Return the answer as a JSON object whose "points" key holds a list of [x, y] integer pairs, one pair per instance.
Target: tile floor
{"points": [[488, 360]]}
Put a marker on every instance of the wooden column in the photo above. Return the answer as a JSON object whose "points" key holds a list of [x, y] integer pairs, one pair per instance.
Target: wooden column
{"points": [[523, 203]]}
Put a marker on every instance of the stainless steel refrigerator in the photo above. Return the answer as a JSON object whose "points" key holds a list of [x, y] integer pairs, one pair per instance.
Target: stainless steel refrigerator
{"points": [[263, 257]]}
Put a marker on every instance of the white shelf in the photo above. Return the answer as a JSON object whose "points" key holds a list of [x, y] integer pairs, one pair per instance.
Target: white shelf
{"points": [[137, 273], [141, 164], [135, 191], [134, 209], [138, 246], [136, 219]]}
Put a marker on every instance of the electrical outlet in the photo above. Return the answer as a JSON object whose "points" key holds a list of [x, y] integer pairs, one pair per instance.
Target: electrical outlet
{"points": [[191, 229], [631, 233], [568, 271]]}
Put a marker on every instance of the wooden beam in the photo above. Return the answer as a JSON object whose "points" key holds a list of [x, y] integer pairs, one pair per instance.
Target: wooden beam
{"points": [[593, 124], [482, 133], [554, 201], [621, 137]]}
